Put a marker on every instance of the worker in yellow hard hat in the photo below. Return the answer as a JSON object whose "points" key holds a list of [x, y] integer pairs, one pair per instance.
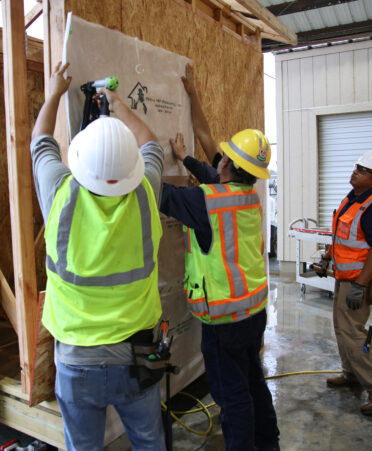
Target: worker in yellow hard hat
{"points": [[225, 281], [102, 234]]}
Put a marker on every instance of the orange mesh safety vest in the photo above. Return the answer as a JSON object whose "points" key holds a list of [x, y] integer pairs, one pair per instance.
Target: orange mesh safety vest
{"points": [[350, 248]]}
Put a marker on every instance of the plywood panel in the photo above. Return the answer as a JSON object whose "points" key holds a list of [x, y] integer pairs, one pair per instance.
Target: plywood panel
{"points": [[108, 13], [43, 368]]}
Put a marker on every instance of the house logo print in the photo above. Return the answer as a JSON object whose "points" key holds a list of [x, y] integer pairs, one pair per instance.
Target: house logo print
{"points": [[137, 96]]}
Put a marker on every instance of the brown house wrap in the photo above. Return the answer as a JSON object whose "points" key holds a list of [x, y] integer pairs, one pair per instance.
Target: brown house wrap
{"points": [[229, 71]]}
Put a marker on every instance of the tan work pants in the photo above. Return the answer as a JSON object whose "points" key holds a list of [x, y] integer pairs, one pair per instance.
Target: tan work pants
{"points": [[351, 334]]}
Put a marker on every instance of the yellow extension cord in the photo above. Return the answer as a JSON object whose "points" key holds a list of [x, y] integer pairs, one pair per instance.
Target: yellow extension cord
{"points": [[205, 408]]}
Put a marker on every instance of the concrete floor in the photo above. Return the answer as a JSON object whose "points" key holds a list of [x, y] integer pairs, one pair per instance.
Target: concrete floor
{"points": [[299, 337], [311, 416]]}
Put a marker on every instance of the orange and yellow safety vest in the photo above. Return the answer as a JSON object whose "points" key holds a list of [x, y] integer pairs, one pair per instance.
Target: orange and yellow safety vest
{"points": [[229, 282]]}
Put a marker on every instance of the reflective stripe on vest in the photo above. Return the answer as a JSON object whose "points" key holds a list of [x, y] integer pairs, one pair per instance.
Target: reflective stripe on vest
{"points": [[223, 205], [247, 157], [186, 236], [64, 228], [228, 306], [352, 240], [349, 266], [199, 307]]}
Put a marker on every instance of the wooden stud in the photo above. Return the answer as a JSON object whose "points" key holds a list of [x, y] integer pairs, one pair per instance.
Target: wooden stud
{"points": [[8, 301], [239, 18], [53, 48], [254, 7], [34, 14], [240, 29], [20, 183], [46, 47], [217, 14]]}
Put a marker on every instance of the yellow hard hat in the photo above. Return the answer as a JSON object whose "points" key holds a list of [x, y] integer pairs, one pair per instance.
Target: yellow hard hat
{"points": [[249, 150]]}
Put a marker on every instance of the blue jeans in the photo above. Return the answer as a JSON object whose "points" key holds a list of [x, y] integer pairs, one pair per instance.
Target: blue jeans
{"points": [[237, 384], [84, 392]]}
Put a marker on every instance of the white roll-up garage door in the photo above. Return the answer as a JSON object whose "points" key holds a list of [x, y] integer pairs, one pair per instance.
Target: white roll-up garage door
{"points": [[342, 139]]}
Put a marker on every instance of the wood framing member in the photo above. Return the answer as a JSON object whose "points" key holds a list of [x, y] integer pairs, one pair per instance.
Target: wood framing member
{"points": [[264, 15], [54, 10], [20, 182], [43, 422], [8, 301], [34, 14]]}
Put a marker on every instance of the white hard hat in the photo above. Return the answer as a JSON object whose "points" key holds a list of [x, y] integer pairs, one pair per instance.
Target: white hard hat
{"points": [[366, 159], [105, 159]]}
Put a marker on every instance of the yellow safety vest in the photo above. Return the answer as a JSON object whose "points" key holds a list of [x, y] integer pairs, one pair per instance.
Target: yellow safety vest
{"points": [[229, 282], [101, 265]]}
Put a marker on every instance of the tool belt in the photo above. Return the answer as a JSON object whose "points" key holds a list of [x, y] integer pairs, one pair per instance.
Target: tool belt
{"points": [[148, 369]]}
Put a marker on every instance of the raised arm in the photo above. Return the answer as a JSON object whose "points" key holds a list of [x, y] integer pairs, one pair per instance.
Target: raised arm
{"points": [[200, 123], [141, 131], [46, 120]]}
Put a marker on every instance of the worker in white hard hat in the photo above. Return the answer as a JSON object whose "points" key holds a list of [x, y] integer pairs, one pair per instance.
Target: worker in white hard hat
{"points": [[225, 280], [102, 233], [352, 264]]}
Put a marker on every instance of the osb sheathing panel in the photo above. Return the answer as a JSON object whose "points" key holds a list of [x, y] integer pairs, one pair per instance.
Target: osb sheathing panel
{"points": [[35, 90], [229, 72]]}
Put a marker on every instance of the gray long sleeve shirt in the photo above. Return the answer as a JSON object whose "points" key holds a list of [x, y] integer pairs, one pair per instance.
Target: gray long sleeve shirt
{"points": [[49, 173]]}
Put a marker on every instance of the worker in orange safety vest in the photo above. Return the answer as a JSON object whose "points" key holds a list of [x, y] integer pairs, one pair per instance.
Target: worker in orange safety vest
{"points": [[352, 265]]}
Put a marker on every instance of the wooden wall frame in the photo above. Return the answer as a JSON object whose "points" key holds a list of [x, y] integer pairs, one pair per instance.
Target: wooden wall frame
{"points": [[21, 307], [20, 181], [44, 421]]}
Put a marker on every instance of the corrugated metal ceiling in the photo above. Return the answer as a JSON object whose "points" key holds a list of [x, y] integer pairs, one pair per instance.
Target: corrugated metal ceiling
{"points": [[319, 21]]}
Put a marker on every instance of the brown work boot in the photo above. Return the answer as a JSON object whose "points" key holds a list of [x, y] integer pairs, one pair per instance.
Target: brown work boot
{"points": [[344, 380], [366, 408]]}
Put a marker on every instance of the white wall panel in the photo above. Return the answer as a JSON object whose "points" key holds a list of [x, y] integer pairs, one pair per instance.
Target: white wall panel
{"points": [[347, 77], [310, 84], [333, 78], [370, 77], [307, 83], [319, 80], [361, 68]]}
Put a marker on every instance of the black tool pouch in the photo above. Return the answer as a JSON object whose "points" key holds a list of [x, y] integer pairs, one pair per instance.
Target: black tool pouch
{"points": [[147, 371]]}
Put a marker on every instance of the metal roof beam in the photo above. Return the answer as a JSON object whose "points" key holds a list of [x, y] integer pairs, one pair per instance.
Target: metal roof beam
{"points": [[299, 6], [347, 31], [325, 35]]}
